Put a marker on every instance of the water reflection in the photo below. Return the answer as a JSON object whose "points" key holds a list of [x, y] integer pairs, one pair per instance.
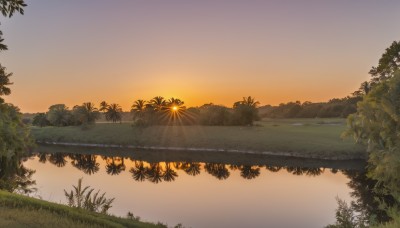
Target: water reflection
{"points": [[14, 176], [157, 172], [150, 170]]}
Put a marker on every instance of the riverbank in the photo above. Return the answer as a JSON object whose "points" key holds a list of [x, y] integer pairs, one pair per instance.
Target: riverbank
{"points": [[22, 211], [303, 138]]}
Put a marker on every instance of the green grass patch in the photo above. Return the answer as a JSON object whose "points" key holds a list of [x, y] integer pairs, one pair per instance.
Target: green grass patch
{"points": [[317, 138], [21, 211]]}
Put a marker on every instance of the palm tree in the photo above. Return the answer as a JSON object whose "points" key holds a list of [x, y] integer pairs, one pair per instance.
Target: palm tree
{"points": [[87, 113], [248, 101], [103, 106], [175, 102], [113, 113], [158, 103], [138, 108]]}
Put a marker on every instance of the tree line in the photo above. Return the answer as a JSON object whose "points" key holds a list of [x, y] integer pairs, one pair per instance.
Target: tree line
{"points": [[334, 108], [157, 111]]}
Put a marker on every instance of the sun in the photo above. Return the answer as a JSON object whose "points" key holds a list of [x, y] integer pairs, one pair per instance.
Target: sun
{"points": [[174, 108]]}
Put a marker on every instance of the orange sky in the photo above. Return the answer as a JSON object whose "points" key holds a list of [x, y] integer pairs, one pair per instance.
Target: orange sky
{"points": [[205, 51]]}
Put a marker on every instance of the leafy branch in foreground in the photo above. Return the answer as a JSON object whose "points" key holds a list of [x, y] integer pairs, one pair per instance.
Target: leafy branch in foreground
{"points": [[347, 217], [82, 197]]}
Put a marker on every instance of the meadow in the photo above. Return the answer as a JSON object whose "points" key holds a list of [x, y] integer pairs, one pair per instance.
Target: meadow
{"points": [[309, 138]]}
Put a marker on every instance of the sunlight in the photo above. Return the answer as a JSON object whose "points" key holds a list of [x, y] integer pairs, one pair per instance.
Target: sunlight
{"points": [[175, 108]]}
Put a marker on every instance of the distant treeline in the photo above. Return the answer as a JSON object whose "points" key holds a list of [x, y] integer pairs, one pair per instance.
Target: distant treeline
{"points": [[157, 111], [333, 108]]}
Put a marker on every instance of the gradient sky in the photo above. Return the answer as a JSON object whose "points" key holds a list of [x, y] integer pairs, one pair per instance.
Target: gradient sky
{"points": [[200, 51]]}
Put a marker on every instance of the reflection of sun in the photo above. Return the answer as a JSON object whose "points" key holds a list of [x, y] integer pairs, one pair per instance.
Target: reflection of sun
{"points": [[174, 108]]}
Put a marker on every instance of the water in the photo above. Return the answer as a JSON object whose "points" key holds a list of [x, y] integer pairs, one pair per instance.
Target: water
{"points": [[201, 193]]}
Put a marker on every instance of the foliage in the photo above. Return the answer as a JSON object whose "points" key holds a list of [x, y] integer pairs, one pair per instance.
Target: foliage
{"points": [[4, 82], [14, 135], [388, 64], [331, 109], [40, 120], [214, 115], [245, 112], [346, 217], [59, 115], [113, 113], [82, 197], [85, 114], [376, 124]]}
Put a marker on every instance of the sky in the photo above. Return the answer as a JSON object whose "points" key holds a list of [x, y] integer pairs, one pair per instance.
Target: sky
{"points": [[70, 52]]}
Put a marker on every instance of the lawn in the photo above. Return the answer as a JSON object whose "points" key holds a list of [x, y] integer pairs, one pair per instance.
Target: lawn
{"points": [[21, 211], [314, 138]]}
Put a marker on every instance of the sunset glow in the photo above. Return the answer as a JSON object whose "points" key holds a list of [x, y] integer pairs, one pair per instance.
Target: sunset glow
{"points": [[272, 50]]}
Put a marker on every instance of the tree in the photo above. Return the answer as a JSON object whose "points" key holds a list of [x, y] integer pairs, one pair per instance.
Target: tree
{"points": [[14, 135], [377, 125], [388, 63], [158, 103], [103, 106], [364, 89], [138, 109], [85, 114], [4, 82], [59, 115], [40, 120], [245, 111], [113, 113]]}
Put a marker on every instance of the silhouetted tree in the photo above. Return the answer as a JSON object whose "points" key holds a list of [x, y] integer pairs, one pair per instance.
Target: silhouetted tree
{"points": [[59, 115], [113, 113], [40, 120]]}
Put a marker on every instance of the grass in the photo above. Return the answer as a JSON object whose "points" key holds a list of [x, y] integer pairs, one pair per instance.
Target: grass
{"points": [[21, 211], [316, 138]]}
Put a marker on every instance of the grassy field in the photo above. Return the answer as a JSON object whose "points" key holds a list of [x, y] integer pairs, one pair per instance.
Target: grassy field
{"points": [[21, 211], [317, 138]]}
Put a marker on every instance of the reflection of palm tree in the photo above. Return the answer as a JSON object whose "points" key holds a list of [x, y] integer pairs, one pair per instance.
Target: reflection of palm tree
{"points": [[217, 170], [305, 170], [42, 158], [314, 171], [86, 163], [249, 172], [114, 168], [139, 172], [295, 170], [273, 168], [192, 168], [154, 173], [169, 174], [58, 159]]}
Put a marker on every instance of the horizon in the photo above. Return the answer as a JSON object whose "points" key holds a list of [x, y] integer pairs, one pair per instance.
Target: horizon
{"points": [[200, 52]]}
